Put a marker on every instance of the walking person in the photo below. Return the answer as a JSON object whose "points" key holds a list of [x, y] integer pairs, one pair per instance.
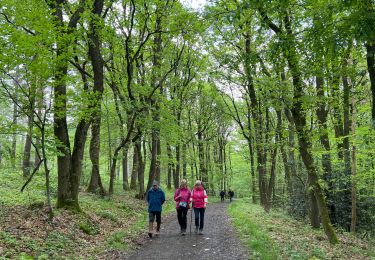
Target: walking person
{"points": [[155, 198], [222, 195], [182, 198], [199, 201], [231, 195]]}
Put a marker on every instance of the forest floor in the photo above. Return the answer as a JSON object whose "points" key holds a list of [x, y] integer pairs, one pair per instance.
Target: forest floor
{"points": [[116, 228], [219, 240]]}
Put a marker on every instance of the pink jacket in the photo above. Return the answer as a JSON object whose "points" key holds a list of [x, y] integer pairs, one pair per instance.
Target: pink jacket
{"points": [[199, 197], [182, 195]]}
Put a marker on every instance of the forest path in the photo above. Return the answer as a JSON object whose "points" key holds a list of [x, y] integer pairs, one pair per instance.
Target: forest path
{"points": [[219, 240]]}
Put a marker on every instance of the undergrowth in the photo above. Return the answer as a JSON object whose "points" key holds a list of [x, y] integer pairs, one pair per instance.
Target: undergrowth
{"points": [[275, 235]]}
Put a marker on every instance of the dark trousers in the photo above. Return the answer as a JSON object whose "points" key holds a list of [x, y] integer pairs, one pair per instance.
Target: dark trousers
{"points": [[222, 198], [199, 217], [182, 218]]}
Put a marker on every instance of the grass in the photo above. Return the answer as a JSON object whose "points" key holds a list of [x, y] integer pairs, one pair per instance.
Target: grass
{"points": [[277, 236], [252, 233], [107, 224]]}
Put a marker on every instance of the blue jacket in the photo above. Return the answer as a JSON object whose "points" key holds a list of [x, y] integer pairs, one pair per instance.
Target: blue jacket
{"points": [[155, 199]]}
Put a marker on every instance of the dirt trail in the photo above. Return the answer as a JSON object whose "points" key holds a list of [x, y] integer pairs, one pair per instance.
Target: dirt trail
{"points": [[218, 242]]}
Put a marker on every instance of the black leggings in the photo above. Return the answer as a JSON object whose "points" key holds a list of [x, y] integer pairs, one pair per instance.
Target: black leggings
{"points": [[182, 219], [199, 217]]}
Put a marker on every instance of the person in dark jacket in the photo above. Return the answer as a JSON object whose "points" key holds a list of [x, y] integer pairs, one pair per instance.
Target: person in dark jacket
{"points": [[222, 195], [155, 198], [231, 195]]}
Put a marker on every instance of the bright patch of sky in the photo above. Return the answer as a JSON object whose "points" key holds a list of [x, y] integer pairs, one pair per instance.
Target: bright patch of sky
{"points": [[195, 4]]}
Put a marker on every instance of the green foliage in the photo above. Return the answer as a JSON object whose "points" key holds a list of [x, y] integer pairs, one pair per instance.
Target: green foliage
{"points": [[275, 235], [252, 232], [89, 228], [117, 241], [108, 215]]}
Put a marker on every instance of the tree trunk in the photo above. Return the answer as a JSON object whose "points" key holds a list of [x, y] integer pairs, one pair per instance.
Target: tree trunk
{"points": [[1, 154], [26, 164], [299, 116], [370, 57], [154, 173], [97, 66], [13, 152], [170, 167], [252, 172], [258, 126], [125, 171], [178, 164], [346, 196], [134, 176], [354, 170], [141, 170], [322, 115], [95, 180], [184, 162]]}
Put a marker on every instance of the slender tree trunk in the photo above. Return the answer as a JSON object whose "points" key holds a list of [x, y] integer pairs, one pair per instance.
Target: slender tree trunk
{"points": [[37, 139], [370, 57], [346, 145], [97, 65], [26, 164], [134, 176], [1, 154], [252, 172], [95, 180], [184, 162], [125, 171], [258, 126], [13, 151], [272, 181], [322, 115], [178, 163], [141, 170], [354, 170], [170, 167], [154, 173]]}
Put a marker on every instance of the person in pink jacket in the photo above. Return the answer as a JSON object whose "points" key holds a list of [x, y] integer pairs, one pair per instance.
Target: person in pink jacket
{"points": [[199, 201], [182, 198]]}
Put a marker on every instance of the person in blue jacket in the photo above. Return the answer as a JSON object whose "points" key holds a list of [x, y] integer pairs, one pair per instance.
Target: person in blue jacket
{"points": [[155, 199]]}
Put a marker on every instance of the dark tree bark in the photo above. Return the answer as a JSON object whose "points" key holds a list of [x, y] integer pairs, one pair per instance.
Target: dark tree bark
{"points": [[170, 167], [258, 126], [26, 164], [134, 176], [322, 115], [98, 72], [184, 162], [346, 196], [1, 154], [70, 164], [125, 170], [13, 151], [370, 57], [141, 170], [154, 173], [95, 180]]}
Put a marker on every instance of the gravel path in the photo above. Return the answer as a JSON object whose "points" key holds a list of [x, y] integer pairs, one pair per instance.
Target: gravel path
{"points": [[218, 242]]}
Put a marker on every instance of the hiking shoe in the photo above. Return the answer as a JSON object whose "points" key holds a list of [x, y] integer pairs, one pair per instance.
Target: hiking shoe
{"points": [[157, 233], [149, 234], [200, 232], [196, 230]]}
